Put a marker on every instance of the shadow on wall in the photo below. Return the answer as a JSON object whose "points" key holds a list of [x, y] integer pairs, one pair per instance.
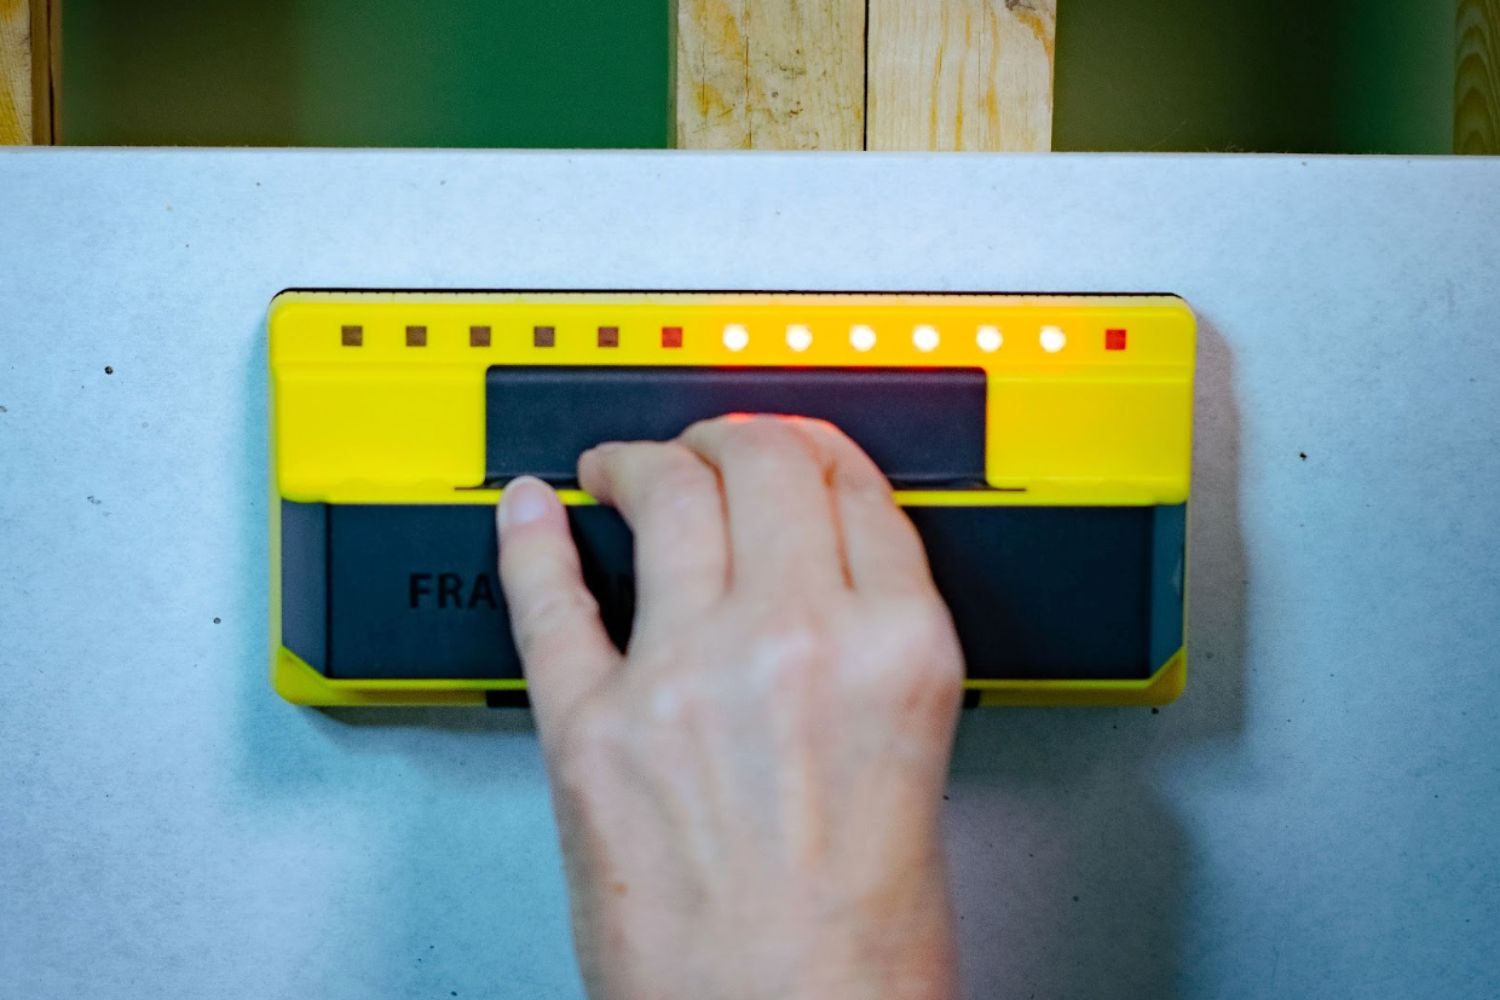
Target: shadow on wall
{"points": [[1072, 874]]}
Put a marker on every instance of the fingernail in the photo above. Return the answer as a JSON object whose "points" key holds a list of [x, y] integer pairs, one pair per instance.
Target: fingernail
{"points": [[525, 500]]}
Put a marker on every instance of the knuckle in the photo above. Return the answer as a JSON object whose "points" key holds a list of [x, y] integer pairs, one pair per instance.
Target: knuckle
{"points": [[764, 441], [717, 424], [677, 473], [863, 482], [827, 441], [922, 655], [817, 425], [710, 430]]}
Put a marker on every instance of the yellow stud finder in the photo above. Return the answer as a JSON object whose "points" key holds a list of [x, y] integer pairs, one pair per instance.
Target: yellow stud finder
{"points": [[1040, 443]]}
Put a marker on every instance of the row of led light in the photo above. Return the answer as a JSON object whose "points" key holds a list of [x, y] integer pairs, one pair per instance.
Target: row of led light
{"points": [[924, 338]]}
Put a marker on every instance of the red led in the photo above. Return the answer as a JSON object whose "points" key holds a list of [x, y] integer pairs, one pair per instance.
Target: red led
{"points": [[609, 336], [671, 336], [1114, 340]]}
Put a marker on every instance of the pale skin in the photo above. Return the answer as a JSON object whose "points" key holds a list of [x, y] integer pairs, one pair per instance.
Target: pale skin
{"points": [[749, 797]]}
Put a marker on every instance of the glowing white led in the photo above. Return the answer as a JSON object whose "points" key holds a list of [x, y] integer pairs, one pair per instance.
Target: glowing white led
{"points": [[862, 337], [798, 337], [1053, 339], [989, 338], [736, 337], [925, 337]]}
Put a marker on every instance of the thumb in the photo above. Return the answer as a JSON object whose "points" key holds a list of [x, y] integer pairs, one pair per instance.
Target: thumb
{"points": [[565, 651]]}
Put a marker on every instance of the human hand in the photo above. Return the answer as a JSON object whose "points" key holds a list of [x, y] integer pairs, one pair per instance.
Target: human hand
{"points": [[749, 797]]}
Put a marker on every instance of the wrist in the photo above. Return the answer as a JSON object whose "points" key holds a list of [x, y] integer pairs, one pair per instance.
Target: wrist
{"points": [[894, 944], [897, 949]]}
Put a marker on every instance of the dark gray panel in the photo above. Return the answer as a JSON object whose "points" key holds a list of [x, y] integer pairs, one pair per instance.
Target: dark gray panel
{"points": [[921, 426], [1168, 580], [415, 594], [1036, 592], [1045, 592], [304, 580]]}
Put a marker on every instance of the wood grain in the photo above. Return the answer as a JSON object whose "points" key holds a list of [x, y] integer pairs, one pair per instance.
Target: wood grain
{"points": [[961, 74], [15, 73], [28, 71], [1476, 119], [770, 74]]}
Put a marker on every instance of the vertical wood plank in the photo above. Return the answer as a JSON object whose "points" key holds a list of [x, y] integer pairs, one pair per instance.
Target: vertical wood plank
{"points": [[961, 74], [15, 73], [28, 68], [1476, 118], [770, 74]]}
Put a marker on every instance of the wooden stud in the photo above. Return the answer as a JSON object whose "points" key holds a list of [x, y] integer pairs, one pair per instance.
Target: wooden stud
{"points": [[15, 73], [29, 32], [1476, 118], [770, 74], [961, 74]]}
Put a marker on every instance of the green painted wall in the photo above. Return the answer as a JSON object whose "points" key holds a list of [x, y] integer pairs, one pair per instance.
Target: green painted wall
{"points": [[366, 72], [1293, 75]]}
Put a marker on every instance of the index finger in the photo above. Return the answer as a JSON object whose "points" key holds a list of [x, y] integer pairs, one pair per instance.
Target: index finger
{"points": [[671, 500], [564, 649]]}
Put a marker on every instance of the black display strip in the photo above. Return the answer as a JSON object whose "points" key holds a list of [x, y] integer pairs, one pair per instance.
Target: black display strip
{"points": [[922, 426], [1036, 592]]}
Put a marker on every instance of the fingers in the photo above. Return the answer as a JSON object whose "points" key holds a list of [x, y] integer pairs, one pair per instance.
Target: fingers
{"points": [[782, 532], [671, 500], [554, 619], [882, 551], [779, 534]]}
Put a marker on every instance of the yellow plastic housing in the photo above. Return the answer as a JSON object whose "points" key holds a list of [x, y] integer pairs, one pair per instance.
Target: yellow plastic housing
{"points": [[379, 397]]}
